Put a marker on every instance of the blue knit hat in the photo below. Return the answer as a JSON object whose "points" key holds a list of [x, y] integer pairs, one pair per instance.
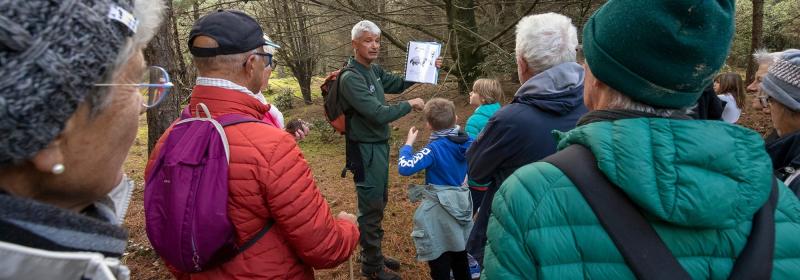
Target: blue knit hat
{"points": [[782, 82]]}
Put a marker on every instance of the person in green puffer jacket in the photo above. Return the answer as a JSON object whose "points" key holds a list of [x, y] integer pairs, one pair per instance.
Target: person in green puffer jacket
{"points": [[699, 183]]}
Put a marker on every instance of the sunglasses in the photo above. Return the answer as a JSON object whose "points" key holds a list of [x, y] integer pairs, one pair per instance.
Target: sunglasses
{"points": [[271, 62]]}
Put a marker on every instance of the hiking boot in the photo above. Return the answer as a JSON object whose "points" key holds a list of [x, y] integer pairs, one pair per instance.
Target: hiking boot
{"points": [[391, 263], [383, 274]]}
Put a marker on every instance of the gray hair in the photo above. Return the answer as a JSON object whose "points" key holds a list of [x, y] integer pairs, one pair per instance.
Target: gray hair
{"points": [[623, 102], [364, 26], [762, 56], [229, 63], [546, 40], [51, 55], [149, 13]]}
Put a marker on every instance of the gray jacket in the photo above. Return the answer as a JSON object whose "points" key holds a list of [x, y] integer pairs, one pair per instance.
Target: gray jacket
{"points": [[442, 221]]}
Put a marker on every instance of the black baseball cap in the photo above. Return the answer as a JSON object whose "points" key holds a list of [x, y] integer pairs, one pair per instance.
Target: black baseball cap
{"points": [[234, 31]]}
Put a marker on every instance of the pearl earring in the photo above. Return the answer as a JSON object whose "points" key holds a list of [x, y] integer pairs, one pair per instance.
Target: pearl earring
{"points": [[58, 169]]}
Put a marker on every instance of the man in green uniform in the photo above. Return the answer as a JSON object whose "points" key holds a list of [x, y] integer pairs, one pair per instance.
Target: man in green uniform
{"points": [[368, 117]]}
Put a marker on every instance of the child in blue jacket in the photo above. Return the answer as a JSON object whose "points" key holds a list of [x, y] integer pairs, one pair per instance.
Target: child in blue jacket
{"points": [[443, 221], [487, 95]]}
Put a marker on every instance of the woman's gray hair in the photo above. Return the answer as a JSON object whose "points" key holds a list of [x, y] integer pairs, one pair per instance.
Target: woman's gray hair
{"points": [[364, 26], [52, 53], [762, 56], [623, 102], [149, 13]]}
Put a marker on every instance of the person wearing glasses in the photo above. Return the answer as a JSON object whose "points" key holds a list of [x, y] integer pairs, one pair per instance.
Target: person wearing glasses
{"points": [[71, 96], [781, 85], [269, 180]]}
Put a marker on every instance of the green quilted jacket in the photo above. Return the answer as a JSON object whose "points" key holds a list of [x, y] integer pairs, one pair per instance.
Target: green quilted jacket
{"points": [[698, 182]]}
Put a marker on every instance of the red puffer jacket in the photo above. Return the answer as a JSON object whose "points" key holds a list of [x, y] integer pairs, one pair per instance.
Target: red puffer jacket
{"points": [[270, 179]]}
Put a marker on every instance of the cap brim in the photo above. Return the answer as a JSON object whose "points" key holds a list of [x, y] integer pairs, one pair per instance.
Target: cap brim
{"points": [[271, 44]]}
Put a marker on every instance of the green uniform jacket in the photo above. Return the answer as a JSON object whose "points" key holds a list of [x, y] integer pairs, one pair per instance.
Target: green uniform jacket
{"points": [[364, 94], [698, 182]]}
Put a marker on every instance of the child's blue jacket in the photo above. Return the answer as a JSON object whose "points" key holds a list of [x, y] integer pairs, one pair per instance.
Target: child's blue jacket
{"points": [[443, 158]]}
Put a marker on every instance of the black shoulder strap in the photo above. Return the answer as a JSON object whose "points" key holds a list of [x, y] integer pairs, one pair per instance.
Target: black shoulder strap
{"points": [[637, 241], [755, 260], [258, 236]]}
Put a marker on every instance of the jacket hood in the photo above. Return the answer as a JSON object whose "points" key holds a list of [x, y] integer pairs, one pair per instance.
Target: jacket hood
{"points": [[702, 174], [463, 141], [557, 90]]}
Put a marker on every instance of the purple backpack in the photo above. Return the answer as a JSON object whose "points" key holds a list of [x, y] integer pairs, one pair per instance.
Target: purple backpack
{"points": [[186, 194]]}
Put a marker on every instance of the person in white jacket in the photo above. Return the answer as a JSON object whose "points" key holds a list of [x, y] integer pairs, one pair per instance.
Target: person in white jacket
{"points": [[730, 88]]}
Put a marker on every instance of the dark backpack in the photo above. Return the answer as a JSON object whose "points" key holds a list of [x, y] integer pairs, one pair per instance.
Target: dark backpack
{"points": [[334, 110], [186, 194], [638, 243]]}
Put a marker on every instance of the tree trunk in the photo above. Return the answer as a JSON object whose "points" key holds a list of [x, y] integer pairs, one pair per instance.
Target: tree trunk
{"points": [[161, 52], [756, 38], [461, 18]]}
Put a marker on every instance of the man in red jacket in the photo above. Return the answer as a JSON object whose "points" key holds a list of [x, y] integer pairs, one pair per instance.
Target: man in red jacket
{"points": [[268, 178]]}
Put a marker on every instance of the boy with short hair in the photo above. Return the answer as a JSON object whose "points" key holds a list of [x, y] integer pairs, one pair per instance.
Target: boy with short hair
{"points": [[443, 221]]}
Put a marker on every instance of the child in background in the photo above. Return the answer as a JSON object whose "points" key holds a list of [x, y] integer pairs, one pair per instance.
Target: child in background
{"points": [[444, 219], [488, 96], [730, 88]]}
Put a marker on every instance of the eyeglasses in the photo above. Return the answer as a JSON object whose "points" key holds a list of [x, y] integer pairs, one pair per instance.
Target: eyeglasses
{"points": [[271, 62], [154, 86]]}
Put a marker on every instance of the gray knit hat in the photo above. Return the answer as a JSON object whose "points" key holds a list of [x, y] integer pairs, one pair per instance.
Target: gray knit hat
{"points": [[51, 55], [782, 82]]}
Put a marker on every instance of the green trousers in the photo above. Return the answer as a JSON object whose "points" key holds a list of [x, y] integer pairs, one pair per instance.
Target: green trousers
{"points": [[372, 198]]}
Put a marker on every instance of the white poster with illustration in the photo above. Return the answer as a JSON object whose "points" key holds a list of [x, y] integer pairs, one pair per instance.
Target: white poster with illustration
{"points": [[421, 62]]}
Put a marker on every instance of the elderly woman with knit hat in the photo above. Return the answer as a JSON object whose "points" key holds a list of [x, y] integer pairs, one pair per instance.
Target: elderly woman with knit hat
{"points": [[70, 100], [702, 192], [782, 86]]}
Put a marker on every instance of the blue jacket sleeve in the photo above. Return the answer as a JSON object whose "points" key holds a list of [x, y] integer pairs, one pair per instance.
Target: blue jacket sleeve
{"points": [[494, 146], [412, 163]]}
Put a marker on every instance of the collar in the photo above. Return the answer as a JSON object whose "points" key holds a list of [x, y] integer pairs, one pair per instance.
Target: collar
{"points": [[30, 223], [226, 84], [353, 62], [453, 131], [222, 101], [619, 114], [785, 151]]}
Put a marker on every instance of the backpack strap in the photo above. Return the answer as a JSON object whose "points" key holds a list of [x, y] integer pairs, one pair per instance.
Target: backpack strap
{"points": [[643, 250], [233, 119], [755, 260]]}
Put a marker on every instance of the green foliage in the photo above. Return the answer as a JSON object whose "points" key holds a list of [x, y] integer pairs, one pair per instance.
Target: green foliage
{"points": [[781, 28], [284, 98], [291, 83], [323, 131]]}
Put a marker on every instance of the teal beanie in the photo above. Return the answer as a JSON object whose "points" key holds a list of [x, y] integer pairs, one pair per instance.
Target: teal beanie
{"points": [[661, 53]]}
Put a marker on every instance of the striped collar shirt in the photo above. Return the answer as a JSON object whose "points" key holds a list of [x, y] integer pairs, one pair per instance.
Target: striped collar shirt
{"points": [[222, 83]]}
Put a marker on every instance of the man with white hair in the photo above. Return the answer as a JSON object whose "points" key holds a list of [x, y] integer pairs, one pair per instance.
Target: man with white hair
{"points": [[638, 190], [551, 98], [368, 117], [273, 202]]}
